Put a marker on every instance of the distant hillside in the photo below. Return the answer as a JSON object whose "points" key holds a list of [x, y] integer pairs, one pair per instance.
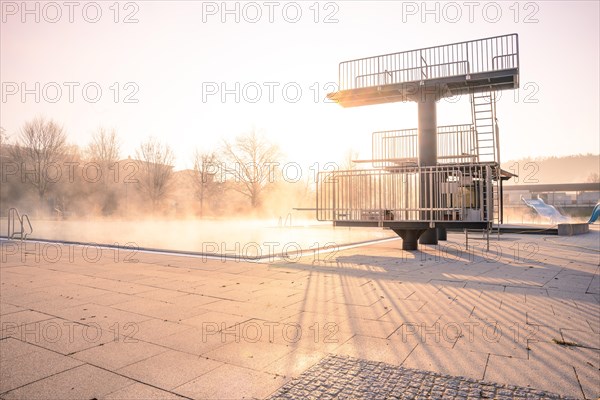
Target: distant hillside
{"points": [[568, 169]]}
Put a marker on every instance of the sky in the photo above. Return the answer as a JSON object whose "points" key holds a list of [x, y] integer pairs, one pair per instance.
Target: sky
{"points": [[195, 73]]}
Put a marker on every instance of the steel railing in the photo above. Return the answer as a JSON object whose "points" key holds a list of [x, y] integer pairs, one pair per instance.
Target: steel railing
{"points": [[464, 58], [441, 193], [397, 147], [455, 144], [16, 220]]}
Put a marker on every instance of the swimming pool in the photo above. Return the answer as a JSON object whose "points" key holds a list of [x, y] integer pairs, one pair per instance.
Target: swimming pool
{"points": [[245, 238]]}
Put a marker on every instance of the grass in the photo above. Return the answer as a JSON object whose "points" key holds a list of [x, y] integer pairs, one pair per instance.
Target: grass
{"points": [[565, 343]]}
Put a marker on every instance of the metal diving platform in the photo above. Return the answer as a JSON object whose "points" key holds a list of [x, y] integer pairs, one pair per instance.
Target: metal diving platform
{"points": [[425, 180], [466, 67]]}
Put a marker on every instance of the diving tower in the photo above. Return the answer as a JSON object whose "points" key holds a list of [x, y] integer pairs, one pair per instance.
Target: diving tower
{"points": [[430, 178]]}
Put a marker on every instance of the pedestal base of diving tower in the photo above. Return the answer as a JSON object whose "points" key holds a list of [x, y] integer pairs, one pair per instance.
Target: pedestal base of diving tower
{"points": [[441, 233], [410, 237], [429, 237]]}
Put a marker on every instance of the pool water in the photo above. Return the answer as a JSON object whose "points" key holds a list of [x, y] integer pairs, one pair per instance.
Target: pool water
{"points": [[249, 238]]}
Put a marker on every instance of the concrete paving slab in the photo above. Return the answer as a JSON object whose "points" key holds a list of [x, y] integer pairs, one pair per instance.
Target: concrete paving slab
{"points": [[118, 286], [559, 378], [64, 336], [195, 341], [83, 382], [401, 317], [74, 289], [294, 363], [405, 287], [572, 320], [154, 328], [118, 354], [443, 332], [192, 300], [313, 302], [585, 339], [579, 357], [138, 391], [6, 308], [172, 310], [372, 312], [455, 362], [374, 349], [249, 354], [13, 321], [108, 298], [365, 327], [169, 369], [30, 367], [231, 382], [538, 333], [156, 280], [214, 319], [51, 305], [492, 339], [229, 293], [586, 304], [587, 370], [366, 295], [588, 379], [104, 316], [273, 312], [179, 284], [404, 306], [11, 347]]}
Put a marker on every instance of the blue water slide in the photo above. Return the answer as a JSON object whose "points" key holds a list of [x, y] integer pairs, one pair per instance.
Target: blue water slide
{"points": [[595, 214]]}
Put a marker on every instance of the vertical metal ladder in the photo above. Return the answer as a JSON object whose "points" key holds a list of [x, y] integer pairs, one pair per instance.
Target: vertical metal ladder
{"points": [[497, 197], [493, 200], [483, 109]]}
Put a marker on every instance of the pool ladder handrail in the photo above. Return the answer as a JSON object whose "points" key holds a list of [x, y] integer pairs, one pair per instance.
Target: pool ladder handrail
{"points": [[285, 223], [13, 217]]}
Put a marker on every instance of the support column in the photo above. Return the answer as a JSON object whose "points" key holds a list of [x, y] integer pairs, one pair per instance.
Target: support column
{"points": [[427, 153], [441, 233], [409, 237]]}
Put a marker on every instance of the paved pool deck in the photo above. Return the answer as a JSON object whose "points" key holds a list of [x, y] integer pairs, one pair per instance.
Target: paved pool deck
{"points": [[522, 321]]}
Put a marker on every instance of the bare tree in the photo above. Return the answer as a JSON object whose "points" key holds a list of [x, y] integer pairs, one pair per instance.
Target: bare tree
{"points": [[593, 177], [156, 170], [39, 148], [207, 183], [3, 136], [251, 160], [104, 148]]}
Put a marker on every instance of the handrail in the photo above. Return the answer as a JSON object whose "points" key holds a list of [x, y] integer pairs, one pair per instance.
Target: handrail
{"points": [[477, 56], [496, 58], [423, 70], [23, 233], [455, 143], [432, 47], [13, 216]]}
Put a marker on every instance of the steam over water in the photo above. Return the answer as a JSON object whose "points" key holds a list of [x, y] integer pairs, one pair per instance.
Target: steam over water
{"points": [[249, 238]]}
